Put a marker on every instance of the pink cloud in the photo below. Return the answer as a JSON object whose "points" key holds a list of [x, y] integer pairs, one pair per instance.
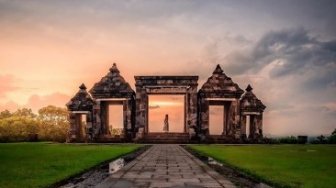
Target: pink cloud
{"points": [[7, 84], [35, 102]]}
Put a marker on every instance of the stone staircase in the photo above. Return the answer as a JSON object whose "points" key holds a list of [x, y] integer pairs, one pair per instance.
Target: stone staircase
{"points": [[166, 138]]}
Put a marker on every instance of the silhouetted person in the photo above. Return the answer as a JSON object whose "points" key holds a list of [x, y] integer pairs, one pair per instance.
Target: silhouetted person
{"points": [[166, 124]]}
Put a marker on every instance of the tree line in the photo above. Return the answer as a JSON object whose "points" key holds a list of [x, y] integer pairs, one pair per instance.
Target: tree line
{"points": [[49, 124], [331, 139]]}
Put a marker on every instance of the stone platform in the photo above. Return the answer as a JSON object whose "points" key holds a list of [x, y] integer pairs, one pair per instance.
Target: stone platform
{"points": [[165, 166]]}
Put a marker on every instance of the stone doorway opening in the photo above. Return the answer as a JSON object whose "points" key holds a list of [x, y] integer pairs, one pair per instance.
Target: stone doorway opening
{"points": [[173, 106], [251, 124], [218, 117], [81, 122], [81, 125], [165, 85], [115, 118]]}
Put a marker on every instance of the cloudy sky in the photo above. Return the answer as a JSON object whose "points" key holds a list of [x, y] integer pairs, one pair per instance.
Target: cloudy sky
{"points": [[285, 49]]}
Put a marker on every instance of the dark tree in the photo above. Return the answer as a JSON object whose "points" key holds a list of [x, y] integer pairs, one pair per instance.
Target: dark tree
{"points": [[321, 139], [332, 137]]}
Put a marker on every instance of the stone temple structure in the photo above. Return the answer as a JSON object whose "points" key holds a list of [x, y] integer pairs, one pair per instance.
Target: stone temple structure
{"points": [[89, 113]]}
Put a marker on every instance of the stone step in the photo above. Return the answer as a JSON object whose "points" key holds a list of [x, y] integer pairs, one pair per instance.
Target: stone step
{"points": [[177, 138], [160, 137], [169, 133], [165, 141]]}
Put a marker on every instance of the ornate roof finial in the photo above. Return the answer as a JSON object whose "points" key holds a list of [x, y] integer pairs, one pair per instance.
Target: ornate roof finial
{"points": [[249, 88], [82, 86], [218, 70], [114, 68]]}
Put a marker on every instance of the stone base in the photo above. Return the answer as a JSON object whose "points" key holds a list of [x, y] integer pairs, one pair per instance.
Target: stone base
{"points": [[168, 138]]}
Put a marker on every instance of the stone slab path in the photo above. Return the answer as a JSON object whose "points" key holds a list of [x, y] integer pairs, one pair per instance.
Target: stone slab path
{"points": [[166, 166]]}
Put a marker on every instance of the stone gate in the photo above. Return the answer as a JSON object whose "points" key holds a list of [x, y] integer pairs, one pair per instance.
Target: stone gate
{"points": [[89, 111], [185, 85]]}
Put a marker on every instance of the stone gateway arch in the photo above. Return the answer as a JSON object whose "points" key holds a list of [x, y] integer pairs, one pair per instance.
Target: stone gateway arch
{"points": [[91, 113]]}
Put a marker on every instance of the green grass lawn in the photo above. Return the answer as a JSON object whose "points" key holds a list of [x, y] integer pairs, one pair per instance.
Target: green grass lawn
{"points": [[283, 165], [42, 164]]}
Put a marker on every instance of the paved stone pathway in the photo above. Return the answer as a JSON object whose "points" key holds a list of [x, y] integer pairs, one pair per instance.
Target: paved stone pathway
{"points": [[166, 166]]}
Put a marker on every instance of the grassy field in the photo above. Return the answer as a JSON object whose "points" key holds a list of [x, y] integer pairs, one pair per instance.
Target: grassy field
{"points": [[283, 165], [42, 164]]}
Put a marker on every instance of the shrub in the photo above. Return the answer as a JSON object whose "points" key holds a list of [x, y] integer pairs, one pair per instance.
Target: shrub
{"points": [[332, 138], [266, 140], [50, 124], [288, 140], [17, 128]]}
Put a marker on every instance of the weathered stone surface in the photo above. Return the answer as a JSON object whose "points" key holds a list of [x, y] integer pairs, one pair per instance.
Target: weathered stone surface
{"points": [[250, 103], [113, 85], [220, 86], [82, 101]]}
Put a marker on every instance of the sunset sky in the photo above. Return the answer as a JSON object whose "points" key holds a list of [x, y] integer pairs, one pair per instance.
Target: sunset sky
{"points": [[285, 49]]}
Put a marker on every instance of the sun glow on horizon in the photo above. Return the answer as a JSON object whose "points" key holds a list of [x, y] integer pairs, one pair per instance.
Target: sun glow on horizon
{"points": [[155, 103], [159, 106]]}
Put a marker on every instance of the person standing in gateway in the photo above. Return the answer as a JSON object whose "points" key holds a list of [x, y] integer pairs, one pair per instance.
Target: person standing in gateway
{"points": [[166, 124]]}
